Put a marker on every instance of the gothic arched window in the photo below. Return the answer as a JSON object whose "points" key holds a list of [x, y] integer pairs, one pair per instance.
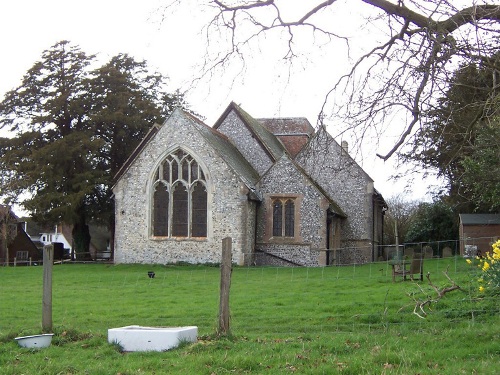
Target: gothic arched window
{"points": [[179, 204]]}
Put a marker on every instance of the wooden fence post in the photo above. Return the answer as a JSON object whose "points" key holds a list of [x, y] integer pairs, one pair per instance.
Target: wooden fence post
{"points": [[225, 284], [48, 262]]}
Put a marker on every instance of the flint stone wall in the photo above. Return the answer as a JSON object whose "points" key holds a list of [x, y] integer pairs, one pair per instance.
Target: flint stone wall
{"points": [[228, 207], [345, 182], [284, 179], [286, 255]]}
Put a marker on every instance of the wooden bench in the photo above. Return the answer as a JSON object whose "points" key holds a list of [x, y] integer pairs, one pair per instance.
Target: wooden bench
{"points": [[399, 268], [22, 257]]}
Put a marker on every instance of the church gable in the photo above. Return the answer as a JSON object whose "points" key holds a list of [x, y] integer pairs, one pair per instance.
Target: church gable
{"points": [[259, 146], [293, 213], [152, 147], [179, 198], [330, 165]]}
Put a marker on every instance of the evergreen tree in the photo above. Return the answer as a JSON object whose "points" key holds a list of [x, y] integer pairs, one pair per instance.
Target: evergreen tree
{"points": [[432, 222], [51, 156], [72, 130], [126, 101], [481, 176], [463, 116]]}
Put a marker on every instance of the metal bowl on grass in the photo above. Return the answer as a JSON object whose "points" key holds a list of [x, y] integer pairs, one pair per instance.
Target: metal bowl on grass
{"points": [[35, 341]]}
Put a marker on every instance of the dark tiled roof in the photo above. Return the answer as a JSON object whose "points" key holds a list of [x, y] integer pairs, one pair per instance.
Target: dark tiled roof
{"points": [[293, 132], [480, 219], [293, 143], [34, 229], [377, 197], [287, 125]]}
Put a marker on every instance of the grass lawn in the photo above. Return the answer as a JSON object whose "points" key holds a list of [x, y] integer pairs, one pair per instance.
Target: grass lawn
{"points": [[335, 320]]}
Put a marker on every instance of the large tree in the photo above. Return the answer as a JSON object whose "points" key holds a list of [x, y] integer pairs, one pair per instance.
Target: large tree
{"points": [[72, 129], [463, 127], [49, 162], [433, 222], [409, 48], [398, 219], [126, 100], [481, 178]]}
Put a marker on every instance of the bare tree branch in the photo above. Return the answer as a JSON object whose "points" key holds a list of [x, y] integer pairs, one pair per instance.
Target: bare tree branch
{"points": [[397, 80], [420, 304], [474, 13], [250, 5], [415, 110]]}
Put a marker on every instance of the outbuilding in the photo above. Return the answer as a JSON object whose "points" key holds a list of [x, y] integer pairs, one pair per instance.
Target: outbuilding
{"points": [[477, 233]]}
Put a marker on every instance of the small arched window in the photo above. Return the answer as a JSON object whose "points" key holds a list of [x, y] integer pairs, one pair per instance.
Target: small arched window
{"points": [[289, 218], [283, 217], [277, 218], [179, 206]]}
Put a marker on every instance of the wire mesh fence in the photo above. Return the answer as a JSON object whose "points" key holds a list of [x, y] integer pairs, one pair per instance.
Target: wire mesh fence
{"points": [[264, 301]]}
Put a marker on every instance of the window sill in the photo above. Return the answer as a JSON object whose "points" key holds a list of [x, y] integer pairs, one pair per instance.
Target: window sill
{"points": [[179, 239]]}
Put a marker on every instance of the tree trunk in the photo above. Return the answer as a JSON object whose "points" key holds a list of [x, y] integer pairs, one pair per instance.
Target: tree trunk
{"points": [[81, 238], [112, 237]]}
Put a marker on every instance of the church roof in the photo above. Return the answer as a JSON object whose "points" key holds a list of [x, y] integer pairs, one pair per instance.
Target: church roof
{"points": [[267, 139], [267, 132], [287, 125], [293, 132], [227, 151]]}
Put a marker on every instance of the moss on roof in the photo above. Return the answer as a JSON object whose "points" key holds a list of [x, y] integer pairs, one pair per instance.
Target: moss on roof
{"points": [[228, 152], [272, 144]]}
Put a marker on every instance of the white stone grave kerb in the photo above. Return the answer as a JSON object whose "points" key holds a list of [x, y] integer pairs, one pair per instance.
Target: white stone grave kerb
{"points": [[138, 338]]}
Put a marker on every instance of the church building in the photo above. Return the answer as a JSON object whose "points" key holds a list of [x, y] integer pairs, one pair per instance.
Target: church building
{"points": [[285, 193]]}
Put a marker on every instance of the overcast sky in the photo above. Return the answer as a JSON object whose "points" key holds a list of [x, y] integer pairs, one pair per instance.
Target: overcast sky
{"points": [[175, 48]]}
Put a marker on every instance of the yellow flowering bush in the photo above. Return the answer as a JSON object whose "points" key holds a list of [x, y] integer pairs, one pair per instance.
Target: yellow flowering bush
{"points": [[490, 268]]}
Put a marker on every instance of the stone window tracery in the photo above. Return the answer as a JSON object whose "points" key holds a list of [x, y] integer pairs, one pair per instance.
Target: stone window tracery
{"points": [[283, 217], [179, 202]]}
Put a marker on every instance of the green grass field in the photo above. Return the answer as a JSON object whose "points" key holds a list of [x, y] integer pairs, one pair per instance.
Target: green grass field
{"points": [[335, 320]]}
